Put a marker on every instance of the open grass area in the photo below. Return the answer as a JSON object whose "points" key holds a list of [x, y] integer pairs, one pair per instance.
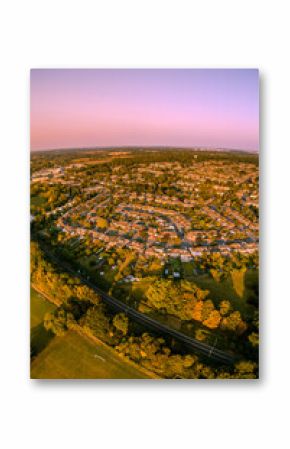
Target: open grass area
{"points": [[39, 336], [72, 356], [139, 288], [237, 287], [37, 200], [39, 306], [77, 357], [217, 290]]}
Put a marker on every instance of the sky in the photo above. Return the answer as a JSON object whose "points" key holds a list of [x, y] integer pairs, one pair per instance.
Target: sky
{"points": [[76, 108]]}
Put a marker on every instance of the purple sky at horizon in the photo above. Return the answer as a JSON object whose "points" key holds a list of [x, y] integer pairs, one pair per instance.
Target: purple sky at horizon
{"points": [[72, 108]]}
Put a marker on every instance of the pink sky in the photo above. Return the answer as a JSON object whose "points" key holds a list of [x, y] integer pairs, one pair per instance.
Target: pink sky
{"points": [[74, 108]]}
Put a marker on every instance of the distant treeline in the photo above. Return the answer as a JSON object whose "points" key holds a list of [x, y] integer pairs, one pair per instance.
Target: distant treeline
{"points": [[141, 155]]}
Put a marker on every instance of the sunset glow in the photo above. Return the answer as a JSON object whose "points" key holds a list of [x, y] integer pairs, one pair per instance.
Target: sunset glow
{"points": [[144, 107]]}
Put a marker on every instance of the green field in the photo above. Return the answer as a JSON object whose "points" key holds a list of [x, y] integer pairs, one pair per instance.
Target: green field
{"points": [[39, 336], [77, 357], [39, 306], [37, 201], [237, 287], [71, 356]]}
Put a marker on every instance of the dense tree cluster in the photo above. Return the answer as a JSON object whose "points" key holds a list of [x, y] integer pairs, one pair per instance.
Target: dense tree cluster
{"points": [[188, 302], [81, 310], [59, 286]]}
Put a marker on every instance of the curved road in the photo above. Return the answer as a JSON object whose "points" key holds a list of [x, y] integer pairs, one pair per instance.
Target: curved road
{"points": [[190, 343]]}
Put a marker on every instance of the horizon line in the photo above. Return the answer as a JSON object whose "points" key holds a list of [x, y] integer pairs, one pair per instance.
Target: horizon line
{"points": [[107, 147]]}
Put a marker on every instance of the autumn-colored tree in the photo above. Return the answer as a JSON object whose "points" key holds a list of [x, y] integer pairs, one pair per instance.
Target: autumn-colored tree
{"points": [[121, 322], [254, 339], [245, 369], [225, 307], [234, 322], [57, 322], [207, 309], [197, 311], [201, 334], [177, 298], [213, 320], [101, 223], [216, 274]]}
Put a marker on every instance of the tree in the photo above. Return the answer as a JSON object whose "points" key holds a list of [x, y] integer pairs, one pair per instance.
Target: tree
{"points": [[213, 320], [225, 307], [245, 369], [101, 223], [201, 334], [57, 322], [207, 309], [121, 323], [197, 311], [182, 299], [254, 339], [234, 323], [216, 274]]}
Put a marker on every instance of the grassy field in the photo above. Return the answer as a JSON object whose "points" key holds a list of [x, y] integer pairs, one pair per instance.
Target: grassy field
{"points": [[235, 287], [39, 306], [139, 288], [71, 356], [76, 357], [37, 200], [39, 336]]}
